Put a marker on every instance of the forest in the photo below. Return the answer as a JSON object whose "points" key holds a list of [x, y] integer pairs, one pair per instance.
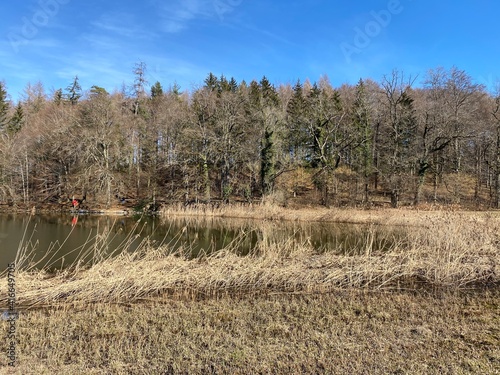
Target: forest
{"points": [[395, 142]]}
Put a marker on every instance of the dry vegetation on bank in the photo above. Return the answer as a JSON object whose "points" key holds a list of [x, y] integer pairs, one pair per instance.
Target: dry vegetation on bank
{"points": [[449, 251], [283, 309], [410, 216], [346, 332]]}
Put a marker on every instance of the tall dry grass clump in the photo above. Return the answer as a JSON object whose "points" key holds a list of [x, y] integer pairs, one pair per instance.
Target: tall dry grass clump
{"points": [[259, 211], [449, 251]]}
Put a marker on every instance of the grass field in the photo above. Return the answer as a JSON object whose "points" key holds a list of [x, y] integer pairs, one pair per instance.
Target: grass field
{"points": [[428, 305], [345, 332]]}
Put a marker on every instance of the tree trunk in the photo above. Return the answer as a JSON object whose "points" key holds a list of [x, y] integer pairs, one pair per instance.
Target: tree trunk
{"points": [[206, 179], [422, 172], [395, 198], [497, 170]]}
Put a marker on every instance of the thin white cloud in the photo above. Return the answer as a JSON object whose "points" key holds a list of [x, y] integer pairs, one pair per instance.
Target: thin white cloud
{"points": [[177, 15], [17, 44], [100, 42], [94, 70], [122, 25]]}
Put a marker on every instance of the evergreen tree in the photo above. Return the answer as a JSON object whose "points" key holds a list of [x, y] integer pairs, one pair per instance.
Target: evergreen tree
{"points": [[233, 85], [58, 96], [269, 94], [224, 85], [296, 120], [268, 162], [176, 89], [317, 128], [74, 91], [211, 82], [4, 106], [361, 123], [156, 90], [254, 94], [98, 91], [16, 121], [263, 102]]}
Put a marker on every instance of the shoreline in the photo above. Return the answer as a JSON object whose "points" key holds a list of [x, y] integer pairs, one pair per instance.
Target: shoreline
{"points": [[449, 251], [263, 211]]}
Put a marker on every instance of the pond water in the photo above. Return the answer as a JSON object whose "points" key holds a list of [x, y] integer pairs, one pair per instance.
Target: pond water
{"points": [[53, 241]]}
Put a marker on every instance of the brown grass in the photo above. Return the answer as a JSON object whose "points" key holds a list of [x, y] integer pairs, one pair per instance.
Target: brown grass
{"points": [[283, 309], [269, 212], [449, 252], [346, 332]]}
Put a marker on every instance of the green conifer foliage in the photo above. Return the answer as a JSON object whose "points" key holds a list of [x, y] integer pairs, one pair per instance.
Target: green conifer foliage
{"points": [[17, 120], [4, 106]]}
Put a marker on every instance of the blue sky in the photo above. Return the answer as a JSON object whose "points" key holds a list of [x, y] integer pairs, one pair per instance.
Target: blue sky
{"points": [[181, 41]]}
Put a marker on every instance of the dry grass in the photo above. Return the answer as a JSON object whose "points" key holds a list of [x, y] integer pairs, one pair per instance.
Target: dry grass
{"points": [[449, 252], [283, 309], [347, 332], [270, 212]]}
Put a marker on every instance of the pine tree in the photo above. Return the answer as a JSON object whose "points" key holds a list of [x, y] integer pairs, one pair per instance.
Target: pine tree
{"points": [[224, 84], [176, 89], [296, 114], [254, 94], [233, 85], [74, 91], [361, 123], [98, 91], [156, 90], [269, 94], [211, 82], [58, 96], [268, 161], [317, 128], [16, 121], [263, 101], [4, 106]]}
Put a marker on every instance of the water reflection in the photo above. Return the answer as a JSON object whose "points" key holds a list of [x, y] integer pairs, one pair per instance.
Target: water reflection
{"points": [[65, 239]]}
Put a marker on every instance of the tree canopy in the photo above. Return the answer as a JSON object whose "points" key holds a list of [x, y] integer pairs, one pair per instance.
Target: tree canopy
{"points": [[370, 143]]}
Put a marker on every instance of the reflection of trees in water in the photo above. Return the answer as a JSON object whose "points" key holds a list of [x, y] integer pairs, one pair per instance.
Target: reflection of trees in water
{"points": [[342, 238], [194, 236], [206, 236], [339, 238]]}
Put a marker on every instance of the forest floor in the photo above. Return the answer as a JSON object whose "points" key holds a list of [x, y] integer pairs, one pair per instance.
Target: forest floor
{"points": [[428, 305]]}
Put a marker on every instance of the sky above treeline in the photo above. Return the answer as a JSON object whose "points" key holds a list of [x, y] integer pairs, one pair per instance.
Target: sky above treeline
{"points": [[181, 41]]}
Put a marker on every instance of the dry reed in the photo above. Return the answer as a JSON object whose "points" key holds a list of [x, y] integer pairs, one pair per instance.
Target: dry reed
{"points": [[152, 311], [345, 332], [449, 252]]}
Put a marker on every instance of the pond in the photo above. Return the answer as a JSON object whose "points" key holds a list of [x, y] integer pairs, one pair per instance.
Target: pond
{"points": [[54, 241]]}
